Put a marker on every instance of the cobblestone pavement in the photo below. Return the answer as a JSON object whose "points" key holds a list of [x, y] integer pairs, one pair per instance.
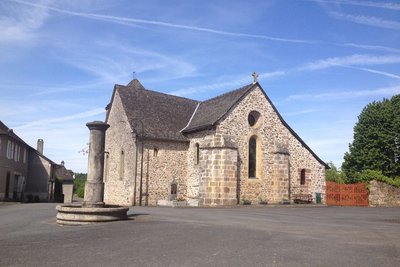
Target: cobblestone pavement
{"points": [[245, 236]]}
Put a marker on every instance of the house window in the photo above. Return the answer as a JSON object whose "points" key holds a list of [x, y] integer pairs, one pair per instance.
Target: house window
{"points": [[252, 157], [197, 153], [10, 148], [303, 177], [155, 152], [17, 152]]}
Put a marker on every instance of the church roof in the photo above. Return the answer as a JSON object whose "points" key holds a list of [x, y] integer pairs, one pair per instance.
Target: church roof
{"points": [[169, 117], [162, 115], [209, 112]]}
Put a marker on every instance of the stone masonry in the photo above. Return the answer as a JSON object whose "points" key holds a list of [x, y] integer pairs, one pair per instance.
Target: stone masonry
{"points": [[280, 156], [211, 166], [383, 195], [120, 157], [218, 182]]}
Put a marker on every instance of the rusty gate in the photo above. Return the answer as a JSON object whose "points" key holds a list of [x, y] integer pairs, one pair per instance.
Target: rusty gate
{"points": [[346, 194]]}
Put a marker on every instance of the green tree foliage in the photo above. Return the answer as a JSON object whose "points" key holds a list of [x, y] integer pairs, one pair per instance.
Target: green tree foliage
{"points": [[376, 144], [368, 175], [79, 184], [334, 175]]}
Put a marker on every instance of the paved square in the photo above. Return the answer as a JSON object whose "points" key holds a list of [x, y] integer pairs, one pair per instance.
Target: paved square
{"points": [[245, 236]]}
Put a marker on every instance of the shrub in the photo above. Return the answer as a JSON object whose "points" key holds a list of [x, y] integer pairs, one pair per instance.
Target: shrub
{"points": [[79, 184], [369, 175]]}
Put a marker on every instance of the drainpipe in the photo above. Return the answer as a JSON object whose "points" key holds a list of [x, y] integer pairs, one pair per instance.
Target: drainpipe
{"points": [[134, 181], [289, 186], [141, 163], [141, 175]]}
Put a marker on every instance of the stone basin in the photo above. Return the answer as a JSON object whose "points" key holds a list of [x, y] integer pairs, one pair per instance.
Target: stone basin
{"points": [[75, 214]]}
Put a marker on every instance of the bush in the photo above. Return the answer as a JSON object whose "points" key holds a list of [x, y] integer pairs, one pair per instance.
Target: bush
{"points": [[368, 175], [79, 184], [333, 174], [80, 191]]}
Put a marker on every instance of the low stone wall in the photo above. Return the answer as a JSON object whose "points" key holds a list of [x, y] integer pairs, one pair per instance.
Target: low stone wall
{"points": [[383, 195]]}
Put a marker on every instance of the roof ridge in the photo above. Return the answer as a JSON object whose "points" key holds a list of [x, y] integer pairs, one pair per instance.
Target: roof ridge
{"points": [[169, 95], [191, 118], [227, 93], [161, 93]]}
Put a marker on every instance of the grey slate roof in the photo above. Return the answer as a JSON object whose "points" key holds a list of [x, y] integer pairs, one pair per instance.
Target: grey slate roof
{"points": [[162, 115], [170, 117], [211, 111]]}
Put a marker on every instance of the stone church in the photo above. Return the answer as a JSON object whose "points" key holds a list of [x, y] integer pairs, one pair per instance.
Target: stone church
{"points": [[227, 150]]}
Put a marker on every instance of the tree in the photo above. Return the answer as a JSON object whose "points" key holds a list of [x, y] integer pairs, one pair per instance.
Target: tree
{"points": [[376, 144], [334, 175], [79, 184]]}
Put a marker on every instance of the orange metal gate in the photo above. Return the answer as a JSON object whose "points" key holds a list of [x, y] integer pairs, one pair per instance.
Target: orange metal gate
{"points": [[346, 194]]}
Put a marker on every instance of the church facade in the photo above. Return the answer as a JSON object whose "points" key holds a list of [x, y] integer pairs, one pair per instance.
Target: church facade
{"points": [[227, 150]]}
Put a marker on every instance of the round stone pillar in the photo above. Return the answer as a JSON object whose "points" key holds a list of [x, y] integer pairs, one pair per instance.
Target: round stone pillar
{"points": [[94, 186]]}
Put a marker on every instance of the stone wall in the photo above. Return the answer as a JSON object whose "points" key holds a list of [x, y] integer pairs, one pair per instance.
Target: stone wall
{"points": [[163, 163], [213, 167], [218, 182], [278, 151], [200, 139], [381, 194], [120, 157], [40, 171]]}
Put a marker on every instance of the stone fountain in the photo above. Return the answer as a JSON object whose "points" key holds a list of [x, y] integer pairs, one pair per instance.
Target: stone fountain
{"points": [[93, 208]]}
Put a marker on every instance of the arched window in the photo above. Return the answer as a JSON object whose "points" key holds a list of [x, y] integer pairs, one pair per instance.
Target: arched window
{"points": [[197, 153], [174, 189], [252, 157], [155, 152], [303, 177]]}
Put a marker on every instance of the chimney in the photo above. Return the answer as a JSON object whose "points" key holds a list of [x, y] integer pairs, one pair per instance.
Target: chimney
{"points": [[40, 146]]}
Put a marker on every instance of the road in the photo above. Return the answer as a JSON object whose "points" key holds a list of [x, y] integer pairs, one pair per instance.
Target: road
{"points": [[240, 236]]}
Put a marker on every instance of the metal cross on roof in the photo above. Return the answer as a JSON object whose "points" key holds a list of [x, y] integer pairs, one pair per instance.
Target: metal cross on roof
{"points": [[255, 77]]}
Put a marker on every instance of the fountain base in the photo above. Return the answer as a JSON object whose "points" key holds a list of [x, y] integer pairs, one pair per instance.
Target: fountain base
{"points": [[77, 214]]}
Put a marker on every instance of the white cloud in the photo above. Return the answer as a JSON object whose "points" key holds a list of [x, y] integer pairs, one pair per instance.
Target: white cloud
{"points": [[134, 21], [379, 92], [372, 47], [299, 112], [367, 20], [85, 114], [123, 61], [351, 60], [64, 136], [384, 5], [243, 79], [21, 22], [384, 73]]}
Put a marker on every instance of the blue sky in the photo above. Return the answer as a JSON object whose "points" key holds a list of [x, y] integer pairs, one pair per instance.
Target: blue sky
{"points": [[319, 61]]}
